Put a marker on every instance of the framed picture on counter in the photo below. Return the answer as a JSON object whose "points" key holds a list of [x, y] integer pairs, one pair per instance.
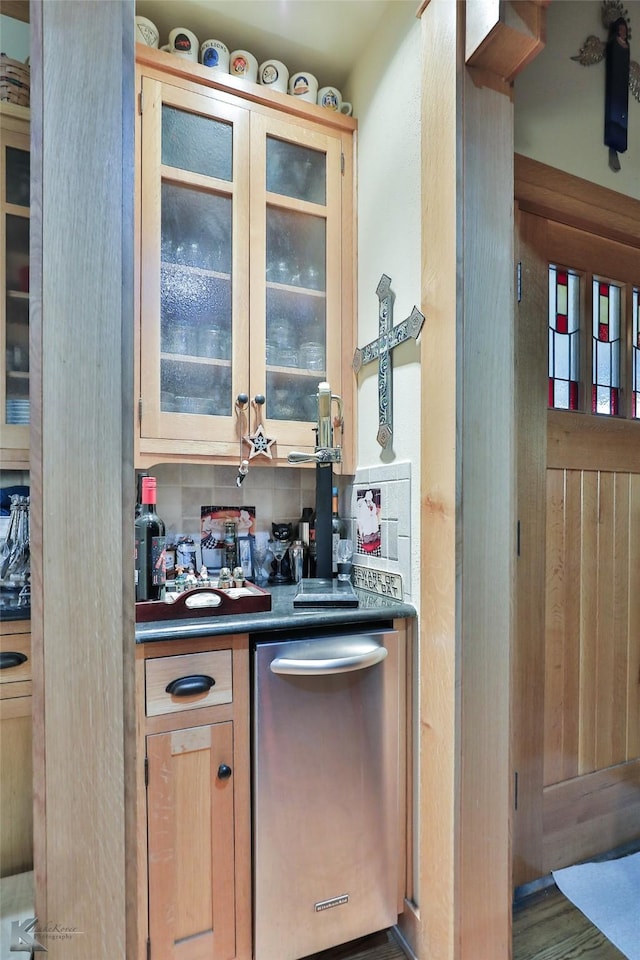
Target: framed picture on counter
{"points": [[212, 521]]}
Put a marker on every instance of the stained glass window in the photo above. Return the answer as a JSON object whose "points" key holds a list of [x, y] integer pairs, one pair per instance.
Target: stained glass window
{"points": [[605, 390], [635, 411], [564, 338]]}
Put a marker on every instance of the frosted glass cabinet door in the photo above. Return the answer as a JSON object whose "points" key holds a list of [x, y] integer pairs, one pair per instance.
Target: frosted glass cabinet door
{"points": [[14, 270], [245, 282], [194, 240], [297, 275]]}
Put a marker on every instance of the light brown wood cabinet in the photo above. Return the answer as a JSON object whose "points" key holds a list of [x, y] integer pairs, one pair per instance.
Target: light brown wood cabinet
{"points": [[245, 223], [14, 281], [16, 789], [194, 812]]}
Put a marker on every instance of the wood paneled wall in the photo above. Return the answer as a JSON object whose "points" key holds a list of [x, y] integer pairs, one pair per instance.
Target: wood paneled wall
{"points": [[592, 690], [592, 664]]}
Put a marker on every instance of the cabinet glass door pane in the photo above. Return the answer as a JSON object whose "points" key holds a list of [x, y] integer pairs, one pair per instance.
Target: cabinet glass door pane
{"points": [[296, 319], [197, 143], [17, 319], [195, 306], [295, 171], [18, 172]]}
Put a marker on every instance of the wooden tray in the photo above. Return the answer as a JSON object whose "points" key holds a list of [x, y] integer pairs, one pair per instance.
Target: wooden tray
{"points": [[206, 602]]}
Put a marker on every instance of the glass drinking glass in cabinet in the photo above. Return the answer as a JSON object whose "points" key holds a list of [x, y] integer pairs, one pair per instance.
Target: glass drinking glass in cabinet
{"points": [[193, 388], [296, 244], [296, 171], [195, 229], [312, 356], [291, 396]]}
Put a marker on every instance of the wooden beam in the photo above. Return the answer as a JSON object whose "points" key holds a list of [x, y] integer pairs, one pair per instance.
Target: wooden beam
{"points": [[18, 9], [82, 495]]}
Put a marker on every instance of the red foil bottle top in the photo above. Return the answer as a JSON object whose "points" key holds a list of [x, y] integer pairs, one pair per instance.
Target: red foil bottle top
{"points": [[148, 489]]}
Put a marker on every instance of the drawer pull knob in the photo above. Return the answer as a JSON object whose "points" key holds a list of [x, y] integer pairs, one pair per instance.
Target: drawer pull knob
{"points": [[224, 772], [188, 686], [11, 658]]}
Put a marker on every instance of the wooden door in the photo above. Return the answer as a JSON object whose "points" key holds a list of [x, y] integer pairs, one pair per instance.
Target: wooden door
{"points": [[16, 769], [577, 651], [296, 272], [194, 250], [191, 844]]}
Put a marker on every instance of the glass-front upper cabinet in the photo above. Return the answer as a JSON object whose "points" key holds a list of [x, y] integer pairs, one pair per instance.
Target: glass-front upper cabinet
{"points": [[14, 272], [295, 273], [194, 266], [241, 280]]}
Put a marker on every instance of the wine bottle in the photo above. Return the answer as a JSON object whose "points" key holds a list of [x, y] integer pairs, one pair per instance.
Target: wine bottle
{"points": [[139, 478], [336, 530], [149, 546]]}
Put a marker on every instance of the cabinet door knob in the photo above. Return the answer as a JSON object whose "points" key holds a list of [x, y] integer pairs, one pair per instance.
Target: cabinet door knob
{"points": [[187, 686], [11, 658], [224, 772]]}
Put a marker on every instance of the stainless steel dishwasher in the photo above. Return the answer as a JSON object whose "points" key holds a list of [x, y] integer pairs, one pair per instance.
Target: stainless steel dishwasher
{"points": [[326, 794]]}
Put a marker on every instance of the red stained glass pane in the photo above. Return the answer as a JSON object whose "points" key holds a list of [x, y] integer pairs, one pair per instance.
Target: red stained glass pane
{"points": [[603, 332], [573, 395], [562, 323], [551, 398], [604, 289], [614, 401], [562, 277]]}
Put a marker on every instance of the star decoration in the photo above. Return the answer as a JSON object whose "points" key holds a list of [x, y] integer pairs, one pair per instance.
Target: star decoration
{"points": [[260, 444]]}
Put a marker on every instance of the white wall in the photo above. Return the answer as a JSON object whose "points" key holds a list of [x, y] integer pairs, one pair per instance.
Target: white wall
{"points": [[384, 88], [559, 104], [14, 38]]}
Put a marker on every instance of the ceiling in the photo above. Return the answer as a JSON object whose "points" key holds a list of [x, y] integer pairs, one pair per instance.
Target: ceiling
{"points": [[324, 37]]}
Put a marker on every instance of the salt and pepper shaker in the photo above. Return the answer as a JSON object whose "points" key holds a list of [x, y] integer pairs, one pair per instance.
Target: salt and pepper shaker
{"points": [[296, 554]]}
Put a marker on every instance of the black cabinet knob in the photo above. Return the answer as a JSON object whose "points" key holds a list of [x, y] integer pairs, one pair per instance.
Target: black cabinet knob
{"points": [[224, 772]]}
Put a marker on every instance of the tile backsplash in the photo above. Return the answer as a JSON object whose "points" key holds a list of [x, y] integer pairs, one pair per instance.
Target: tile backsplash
{"points": [[390, 484], [278, 493]]}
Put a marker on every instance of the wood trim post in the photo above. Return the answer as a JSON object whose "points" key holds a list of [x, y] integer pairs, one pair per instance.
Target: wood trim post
{"points": [[468, 512], [81, 475]]}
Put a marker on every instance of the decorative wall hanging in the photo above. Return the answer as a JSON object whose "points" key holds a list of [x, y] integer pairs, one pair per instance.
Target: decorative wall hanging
{"points": [[259, 442], [622, 74], [389, 338]]}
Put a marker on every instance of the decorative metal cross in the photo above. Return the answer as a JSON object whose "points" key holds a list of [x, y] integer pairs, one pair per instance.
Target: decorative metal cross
{"points": [[381, 348]]}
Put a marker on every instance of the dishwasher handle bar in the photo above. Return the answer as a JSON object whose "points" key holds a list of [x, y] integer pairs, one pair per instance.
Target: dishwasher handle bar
{"points": [[356, 659]]}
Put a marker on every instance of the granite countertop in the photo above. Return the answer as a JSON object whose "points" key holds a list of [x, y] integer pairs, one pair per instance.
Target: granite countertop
{"points": [[372, 607], [15, 613]]}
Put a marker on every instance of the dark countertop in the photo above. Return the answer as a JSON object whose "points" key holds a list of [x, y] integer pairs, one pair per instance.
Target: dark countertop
{"points": [[15, 613], [372, 608]]}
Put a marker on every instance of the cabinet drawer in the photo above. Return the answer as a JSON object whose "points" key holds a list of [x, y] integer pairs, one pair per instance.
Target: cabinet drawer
{"points": [[162, 672], [17, 668]]}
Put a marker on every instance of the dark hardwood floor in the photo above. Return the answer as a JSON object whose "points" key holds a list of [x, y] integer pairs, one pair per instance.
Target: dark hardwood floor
{"points": [[379, 946], [546, 926]]}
